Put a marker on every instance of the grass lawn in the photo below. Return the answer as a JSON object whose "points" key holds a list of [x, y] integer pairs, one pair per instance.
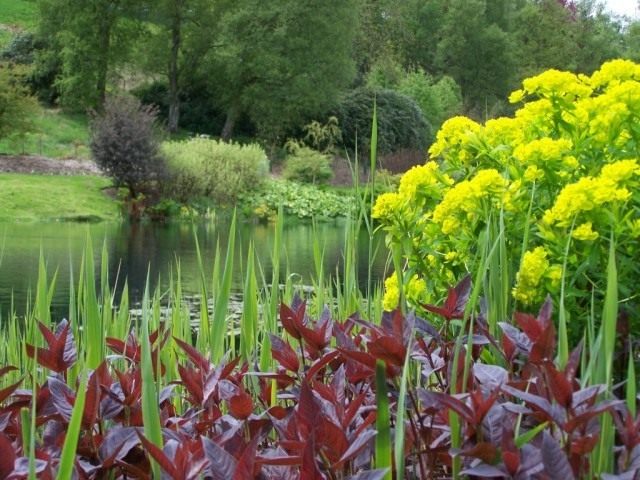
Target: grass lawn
{"points": [[5, 37], [19, 13], [26, 198], [56, 135]]}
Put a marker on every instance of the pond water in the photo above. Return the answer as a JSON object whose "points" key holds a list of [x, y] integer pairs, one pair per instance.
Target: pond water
{"points": [[135, 248]]}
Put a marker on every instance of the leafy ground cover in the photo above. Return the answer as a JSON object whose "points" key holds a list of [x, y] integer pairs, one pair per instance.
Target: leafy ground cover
{"points": [[53, 197], [55, 135], [299, 200]]}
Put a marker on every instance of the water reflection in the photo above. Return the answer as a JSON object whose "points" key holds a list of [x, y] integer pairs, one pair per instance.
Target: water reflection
{"points": [[135, 248]]}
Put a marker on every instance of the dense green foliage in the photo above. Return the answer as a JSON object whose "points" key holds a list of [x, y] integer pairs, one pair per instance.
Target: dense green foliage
{"points": [[125, 145], [17, 107], [400, 121], [306, 165], [302, 201], [264, 70], [214, 169]]}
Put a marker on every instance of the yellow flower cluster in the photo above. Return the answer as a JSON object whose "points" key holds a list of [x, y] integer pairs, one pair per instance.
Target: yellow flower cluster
{"points": [[452, 137], [567, 163], [423, 179], [554, 83], [415, 291], [584, 232], [546, 152], [614, 72], [535, 266], [387, 205], [466, 200], [589, 193]]}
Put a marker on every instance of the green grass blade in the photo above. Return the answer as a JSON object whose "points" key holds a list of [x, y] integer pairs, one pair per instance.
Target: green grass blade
{"points": [[249, 318], [632, 389], [218, 333], [383, 422], [68, 456], [604, 463], [150, 411]]}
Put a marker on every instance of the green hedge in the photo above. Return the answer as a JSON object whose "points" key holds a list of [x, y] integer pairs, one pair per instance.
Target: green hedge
{"points": [[221, 171]]}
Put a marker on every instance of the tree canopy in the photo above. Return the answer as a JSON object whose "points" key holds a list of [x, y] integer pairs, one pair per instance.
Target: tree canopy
{"points": [[268, 68]]}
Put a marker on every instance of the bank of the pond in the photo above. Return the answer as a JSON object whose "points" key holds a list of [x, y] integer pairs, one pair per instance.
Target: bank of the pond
{"points": [[28, 198]]}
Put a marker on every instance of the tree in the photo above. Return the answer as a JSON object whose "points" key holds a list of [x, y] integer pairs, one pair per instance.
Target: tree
{"points": [[283, 61], [476, 53], [125, 145], [92, 38], [17, 107], [545, 34], [176, 43]]}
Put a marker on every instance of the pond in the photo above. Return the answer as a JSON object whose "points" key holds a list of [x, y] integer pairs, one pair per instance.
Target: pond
{"points": [[137, 248]]}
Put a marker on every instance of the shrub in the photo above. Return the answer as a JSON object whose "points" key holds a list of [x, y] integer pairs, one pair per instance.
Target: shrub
{"points": [[17, 107], [306, 165], [400, 121], [125, 145], [560, 179], [438, 100], [222, 171], [20, 49]]}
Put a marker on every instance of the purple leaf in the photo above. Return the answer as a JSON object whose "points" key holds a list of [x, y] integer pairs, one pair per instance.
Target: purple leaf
{"points": [[484, 470], [222, 465], [378, 474], [360, 442], [556, 464]]}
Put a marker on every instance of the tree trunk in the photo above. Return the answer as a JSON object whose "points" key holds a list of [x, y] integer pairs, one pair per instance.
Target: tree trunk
{"points": [[232, 116], [104, 37], [174, 90]]}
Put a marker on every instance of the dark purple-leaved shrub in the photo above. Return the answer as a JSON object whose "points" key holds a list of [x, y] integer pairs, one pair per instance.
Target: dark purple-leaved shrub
{"points": [[125, 144]]}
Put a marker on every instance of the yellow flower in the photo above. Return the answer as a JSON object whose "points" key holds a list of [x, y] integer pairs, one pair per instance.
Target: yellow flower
{"points": [[453, 134], [466, 198], [554, 274], [450, 256], [556, 83], [620, 171], [516, 96], [614, 72], [423, 178], [532, 270], [543, 151], [416, 289], [591, 192], [391, 296], [386, 206], [533, 173], [584, 232]]}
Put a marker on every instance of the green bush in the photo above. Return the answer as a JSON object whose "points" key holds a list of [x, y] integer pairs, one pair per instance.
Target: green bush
{"points": [[221, 171], [17, 107], [20, 49], [306, 165], [302, 201], [438, 100], [401, 124]]}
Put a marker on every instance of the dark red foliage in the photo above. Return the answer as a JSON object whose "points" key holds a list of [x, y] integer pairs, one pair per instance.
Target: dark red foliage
{"points": [[60, 353], [322, 425]]}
